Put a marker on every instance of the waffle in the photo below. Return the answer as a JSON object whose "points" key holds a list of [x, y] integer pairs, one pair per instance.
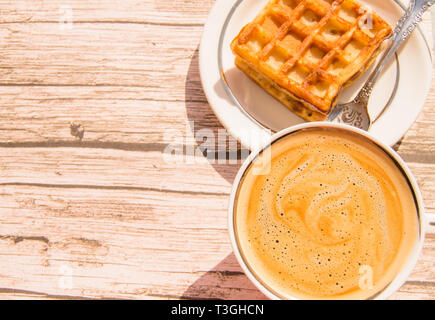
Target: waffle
{"points": [[303, 52]]}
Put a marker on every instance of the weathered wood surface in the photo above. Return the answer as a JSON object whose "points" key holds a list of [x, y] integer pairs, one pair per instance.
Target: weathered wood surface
{"points": [[106, 216]]}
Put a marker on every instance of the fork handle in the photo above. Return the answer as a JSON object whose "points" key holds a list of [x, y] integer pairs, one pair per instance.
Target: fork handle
{"points": [[405, 26]]}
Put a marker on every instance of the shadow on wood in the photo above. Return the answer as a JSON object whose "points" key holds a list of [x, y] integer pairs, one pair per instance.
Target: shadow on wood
{"points": [[225, 281], [202, 119]]}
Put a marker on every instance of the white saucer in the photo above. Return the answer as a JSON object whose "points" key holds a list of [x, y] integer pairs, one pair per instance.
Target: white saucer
{"points": [[251, 115]]}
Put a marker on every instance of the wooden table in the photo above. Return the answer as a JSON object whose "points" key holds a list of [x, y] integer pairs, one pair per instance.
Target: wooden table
{"points": [[89, 208]]}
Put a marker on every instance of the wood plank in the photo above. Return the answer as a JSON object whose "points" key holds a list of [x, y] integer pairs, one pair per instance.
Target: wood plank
{"points": [[177, 12], [93, 54], [113, 168], [109, 114]]}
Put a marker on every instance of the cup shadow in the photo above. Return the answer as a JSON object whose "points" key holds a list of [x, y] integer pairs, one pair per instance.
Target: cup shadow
{"points": [[225, 281]]}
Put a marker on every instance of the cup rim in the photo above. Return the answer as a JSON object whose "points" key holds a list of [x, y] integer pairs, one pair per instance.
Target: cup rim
{"points": [[410, 263]]}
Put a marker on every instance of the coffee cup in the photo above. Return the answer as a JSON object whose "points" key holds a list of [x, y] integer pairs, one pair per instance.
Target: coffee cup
{"points": [[323, 237]]}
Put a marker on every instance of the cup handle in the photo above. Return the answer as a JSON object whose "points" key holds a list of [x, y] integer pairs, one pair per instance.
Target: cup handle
{"points": [[430, 217]]}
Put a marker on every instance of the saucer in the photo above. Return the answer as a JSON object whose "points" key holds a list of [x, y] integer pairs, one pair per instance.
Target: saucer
{"points": [[252, 115]]}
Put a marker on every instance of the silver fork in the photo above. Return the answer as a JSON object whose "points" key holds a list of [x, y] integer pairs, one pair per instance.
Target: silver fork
{"points": [[355, 112]]}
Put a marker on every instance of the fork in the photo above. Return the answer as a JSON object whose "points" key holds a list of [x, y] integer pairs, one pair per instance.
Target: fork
{"points": [[355, 112]]}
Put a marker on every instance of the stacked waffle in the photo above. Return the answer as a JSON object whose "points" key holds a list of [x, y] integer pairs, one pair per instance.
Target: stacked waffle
{"points": [[303, 52]]}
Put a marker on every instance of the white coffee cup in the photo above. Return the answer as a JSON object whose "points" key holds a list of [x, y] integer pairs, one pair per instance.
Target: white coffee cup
{"points": [[426, 222]]}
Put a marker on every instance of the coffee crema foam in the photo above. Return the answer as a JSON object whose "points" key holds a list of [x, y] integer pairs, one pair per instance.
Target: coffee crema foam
{"points": [[334, 217]]}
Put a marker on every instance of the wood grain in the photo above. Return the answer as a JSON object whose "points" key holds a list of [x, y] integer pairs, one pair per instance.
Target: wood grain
{"points": [[163, 12], [109, 215]]}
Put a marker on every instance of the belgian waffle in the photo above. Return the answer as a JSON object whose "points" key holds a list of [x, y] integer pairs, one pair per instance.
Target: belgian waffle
{"points": [[303, 52]]}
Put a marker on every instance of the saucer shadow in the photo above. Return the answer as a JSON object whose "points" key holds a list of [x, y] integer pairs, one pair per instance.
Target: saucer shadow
{"points": [[201, 118], [225, 281], [398, 144]]}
